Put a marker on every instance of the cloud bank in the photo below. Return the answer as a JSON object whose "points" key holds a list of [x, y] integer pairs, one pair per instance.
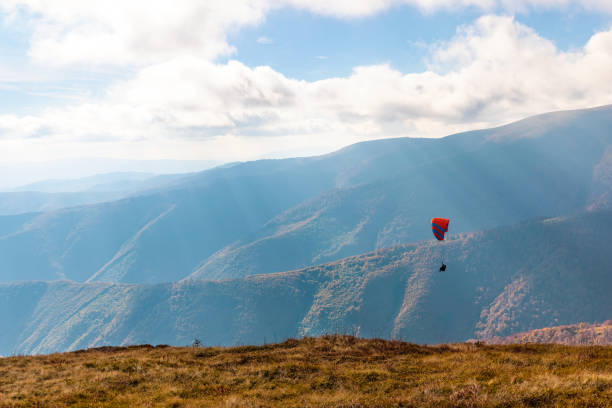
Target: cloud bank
{"points": [[181, 103]]}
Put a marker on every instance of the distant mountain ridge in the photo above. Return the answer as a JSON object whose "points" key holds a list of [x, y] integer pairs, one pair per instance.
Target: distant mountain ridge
{"points": [[507, 280], [100, 182], [53, 195], [18, 174], [273, 215], [599, 334]]}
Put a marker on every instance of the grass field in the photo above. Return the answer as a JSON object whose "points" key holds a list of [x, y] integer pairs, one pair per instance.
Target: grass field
{"points": [[331, 371]]}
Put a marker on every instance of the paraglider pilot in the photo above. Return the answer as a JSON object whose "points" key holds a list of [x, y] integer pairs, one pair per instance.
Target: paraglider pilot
{"points": [[439, 227]]}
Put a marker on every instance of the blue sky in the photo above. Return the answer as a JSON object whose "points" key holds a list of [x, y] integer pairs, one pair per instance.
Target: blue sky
{"points": [[239, 80], [305, 45], [308, 46]]}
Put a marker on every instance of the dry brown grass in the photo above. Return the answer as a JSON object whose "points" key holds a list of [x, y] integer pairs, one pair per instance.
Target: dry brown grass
{"points": [[331, 371]]}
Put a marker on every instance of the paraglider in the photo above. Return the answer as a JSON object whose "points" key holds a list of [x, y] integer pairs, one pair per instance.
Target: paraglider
{"points": [[439, 226]]}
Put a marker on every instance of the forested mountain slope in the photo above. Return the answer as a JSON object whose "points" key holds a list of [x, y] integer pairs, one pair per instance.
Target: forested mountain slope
{"points": [[519, 176], [507, 280], [273, 215]]}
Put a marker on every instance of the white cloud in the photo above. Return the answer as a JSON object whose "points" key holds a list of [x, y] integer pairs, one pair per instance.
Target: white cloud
{"points": [[135, 32], [264, 40], [142, 32], [179, 103], [493, 71]]}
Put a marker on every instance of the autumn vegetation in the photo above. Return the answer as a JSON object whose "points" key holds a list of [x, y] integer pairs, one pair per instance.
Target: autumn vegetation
{"points": [[574, 334], [330, 371]]}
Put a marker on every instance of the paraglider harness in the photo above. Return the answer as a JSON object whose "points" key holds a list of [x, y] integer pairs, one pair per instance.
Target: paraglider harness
{"points": [[443, 267]]}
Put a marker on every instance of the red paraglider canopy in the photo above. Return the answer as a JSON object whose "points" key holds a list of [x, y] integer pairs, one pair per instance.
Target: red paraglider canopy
{"points": [[439, 226]]}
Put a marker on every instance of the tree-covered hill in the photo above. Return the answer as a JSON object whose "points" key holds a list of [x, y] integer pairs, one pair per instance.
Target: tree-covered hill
{"points": [[273, 215], [541, 167], [499, 282]]}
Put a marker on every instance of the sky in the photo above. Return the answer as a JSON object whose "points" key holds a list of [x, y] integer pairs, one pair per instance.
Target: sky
{"points": [[232, 80]]}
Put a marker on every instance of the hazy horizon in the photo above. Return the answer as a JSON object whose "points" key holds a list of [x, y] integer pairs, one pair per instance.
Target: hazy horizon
{"points": [[21, 174]]}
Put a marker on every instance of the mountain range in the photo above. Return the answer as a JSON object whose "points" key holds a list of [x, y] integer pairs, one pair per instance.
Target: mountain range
{"points": [[275, 215], [502, 281], [206, 254]]}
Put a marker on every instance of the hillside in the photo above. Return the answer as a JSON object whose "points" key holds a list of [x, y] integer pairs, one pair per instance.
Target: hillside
{"points": [[159, 237], [330, 371], [507, 280], [571, 334], [520, 176], [274, 215]]}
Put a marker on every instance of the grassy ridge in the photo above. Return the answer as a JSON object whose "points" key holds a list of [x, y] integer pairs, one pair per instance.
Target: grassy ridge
{"points": [[330, 371], [575, 334]]}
